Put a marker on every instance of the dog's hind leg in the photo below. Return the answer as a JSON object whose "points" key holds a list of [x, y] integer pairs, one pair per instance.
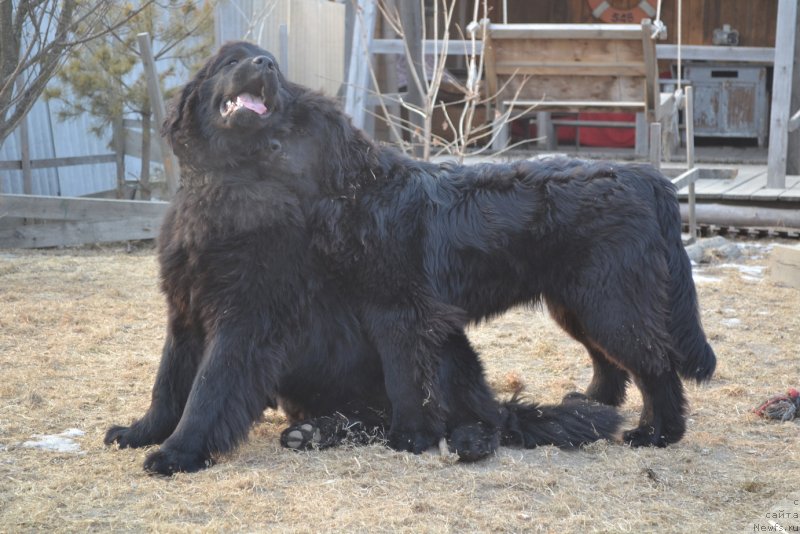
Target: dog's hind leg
{"points": [[609, 381], [640, 345], [182, 351]]}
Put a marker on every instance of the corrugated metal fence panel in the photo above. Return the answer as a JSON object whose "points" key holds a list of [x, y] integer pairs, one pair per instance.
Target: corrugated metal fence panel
{"points": [[50, 138], [40, 139], [40, 143], [75, 138], [10, 181]]}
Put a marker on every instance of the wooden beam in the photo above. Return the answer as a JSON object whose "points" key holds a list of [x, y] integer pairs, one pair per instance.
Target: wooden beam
{"points": [[157, 105], [781, 94], [793, 148], [565, 31], [59, 162], [686, 178], [79, 233], [655, 145], [78, 209], [360, 62], [455, 47], [738, 54]]}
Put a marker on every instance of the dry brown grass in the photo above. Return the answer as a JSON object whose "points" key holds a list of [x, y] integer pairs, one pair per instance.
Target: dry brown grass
{"points": [[80, 335]]}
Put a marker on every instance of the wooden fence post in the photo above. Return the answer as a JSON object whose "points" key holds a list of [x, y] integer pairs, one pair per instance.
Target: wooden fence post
{"points": [[118, 138], [157, 104], [781, 94], [25, 151]]}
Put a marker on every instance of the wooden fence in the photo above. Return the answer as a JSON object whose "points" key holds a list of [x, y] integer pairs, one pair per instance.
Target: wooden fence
{"points": [[33, 221], [69, 221], [29, 221]]}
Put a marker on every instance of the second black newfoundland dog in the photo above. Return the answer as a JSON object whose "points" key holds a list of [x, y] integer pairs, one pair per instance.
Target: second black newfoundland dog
{"points": [[308, 267]]}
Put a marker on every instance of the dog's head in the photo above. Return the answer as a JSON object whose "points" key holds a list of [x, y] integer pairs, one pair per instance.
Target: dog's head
{"points": [[222, 116]]}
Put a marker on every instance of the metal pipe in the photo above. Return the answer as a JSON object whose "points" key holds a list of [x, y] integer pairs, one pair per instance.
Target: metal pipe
{"points": [[744, 216]]}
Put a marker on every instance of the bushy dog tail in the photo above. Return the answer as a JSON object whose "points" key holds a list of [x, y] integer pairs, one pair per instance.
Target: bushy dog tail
{"points": [[575, 422], [697, 358]]}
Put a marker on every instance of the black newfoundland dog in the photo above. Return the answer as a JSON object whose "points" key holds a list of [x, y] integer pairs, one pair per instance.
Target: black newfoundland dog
{"points": [[308, 267]]}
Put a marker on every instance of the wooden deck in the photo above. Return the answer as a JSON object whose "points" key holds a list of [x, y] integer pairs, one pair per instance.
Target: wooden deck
{"points": [[738, 183]]}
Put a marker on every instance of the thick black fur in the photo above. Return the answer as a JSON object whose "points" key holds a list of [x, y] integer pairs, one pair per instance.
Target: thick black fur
{"points": [[305, 265]]}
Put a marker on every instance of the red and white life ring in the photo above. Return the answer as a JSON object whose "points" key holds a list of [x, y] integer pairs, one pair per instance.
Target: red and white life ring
{"points": [[604, 11]]}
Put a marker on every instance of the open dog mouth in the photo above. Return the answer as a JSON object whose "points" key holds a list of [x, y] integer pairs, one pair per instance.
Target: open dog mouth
{"points": [[244, 100]]}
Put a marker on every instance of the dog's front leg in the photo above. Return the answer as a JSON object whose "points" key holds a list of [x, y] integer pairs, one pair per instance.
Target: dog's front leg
{"points": [[183, 349], [235, 380]]}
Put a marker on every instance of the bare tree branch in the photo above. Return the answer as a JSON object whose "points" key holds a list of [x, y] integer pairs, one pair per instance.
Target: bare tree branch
{"points": [[36, 37]]}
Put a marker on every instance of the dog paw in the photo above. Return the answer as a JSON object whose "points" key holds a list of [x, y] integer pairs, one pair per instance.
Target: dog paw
{"points": [[644, 436], [170, 461], [575, 396], [125, 437], [301, 436], [411, 441], [473, 442]]}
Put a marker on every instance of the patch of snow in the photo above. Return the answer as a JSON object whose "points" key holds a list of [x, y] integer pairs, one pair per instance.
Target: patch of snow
{"points": [[700, 278], [62, 442], [733, 321], [745, 270]]}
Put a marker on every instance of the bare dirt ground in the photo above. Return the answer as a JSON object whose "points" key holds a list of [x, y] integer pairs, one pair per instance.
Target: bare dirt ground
{"points": [[80, 338]]}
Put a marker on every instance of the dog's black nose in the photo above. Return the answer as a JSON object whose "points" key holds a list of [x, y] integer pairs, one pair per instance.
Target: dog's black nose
{"points": [[264, 60]]}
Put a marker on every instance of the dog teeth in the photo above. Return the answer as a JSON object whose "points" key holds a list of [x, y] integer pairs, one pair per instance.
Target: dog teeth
{"points": [[244, 100]]}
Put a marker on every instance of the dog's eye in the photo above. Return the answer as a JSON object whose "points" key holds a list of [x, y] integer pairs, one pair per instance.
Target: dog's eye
{"points": [[233, 62]]}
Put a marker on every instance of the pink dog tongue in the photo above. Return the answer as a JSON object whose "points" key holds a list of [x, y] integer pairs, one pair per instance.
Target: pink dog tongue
{"points": [[251, 102]]}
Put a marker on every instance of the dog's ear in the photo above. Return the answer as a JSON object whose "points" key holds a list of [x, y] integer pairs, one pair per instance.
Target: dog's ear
{"points": [[179, 113]]}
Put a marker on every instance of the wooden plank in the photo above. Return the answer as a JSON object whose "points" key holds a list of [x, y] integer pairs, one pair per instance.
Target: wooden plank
{"points": [[74, 233], [455, 47], [791, 194], [686, 178], [655, 145], [784, 265], [739, 54], [358, 72], [575, 51], [652, 90], [60, 162], [781, 94], [159, 111], [118, 141], [793, 146], [25, 157], [565, 31], [576, 89], [78, 209], [744, 191], [716, 188], [574, 106], [775, 193], [535, 68]]}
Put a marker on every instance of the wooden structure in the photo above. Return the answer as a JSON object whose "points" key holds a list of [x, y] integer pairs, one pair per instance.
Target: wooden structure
{"points": [[65, 221], [576, 67]]}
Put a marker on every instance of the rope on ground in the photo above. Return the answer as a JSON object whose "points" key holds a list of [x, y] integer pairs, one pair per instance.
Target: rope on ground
{"points": [[782, 407]]}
